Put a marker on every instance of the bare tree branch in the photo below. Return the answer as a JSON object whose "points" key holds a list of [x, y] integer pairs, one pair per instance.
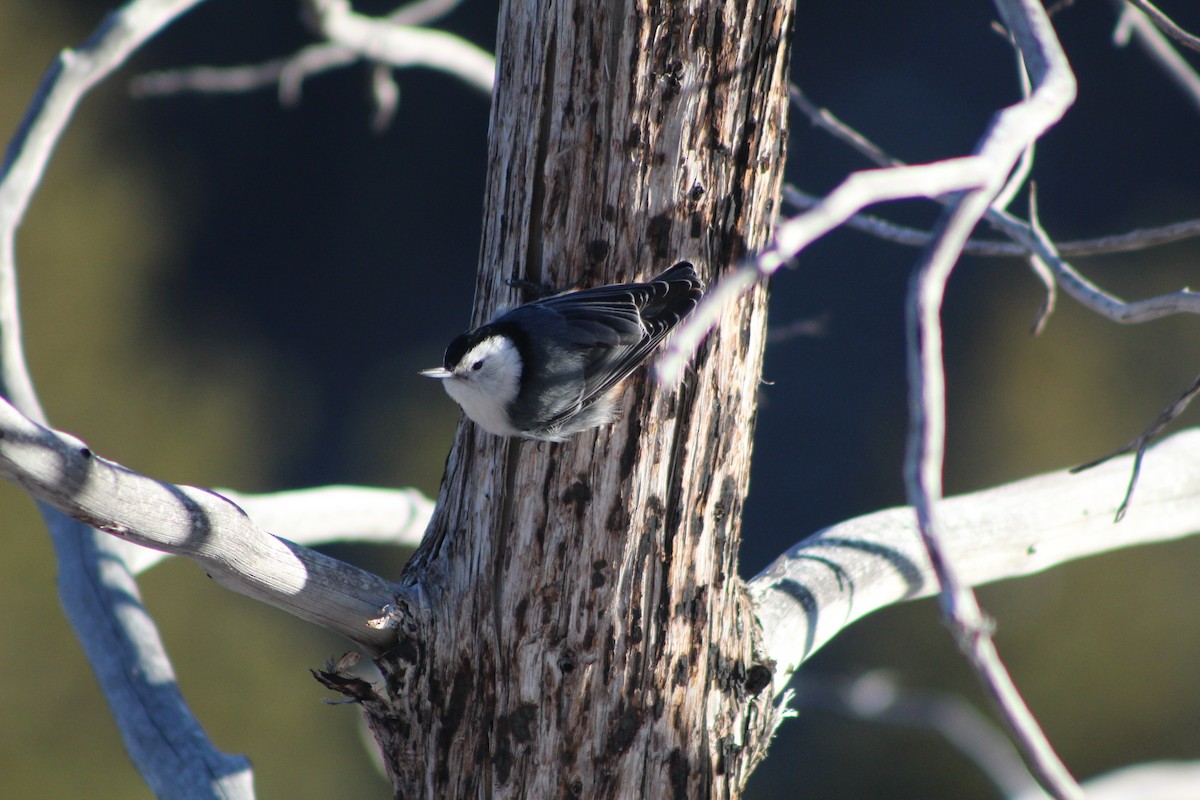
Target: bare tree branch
{"points": [[1088, 294], [1041, 269], [1130, 241], [1165, 779], [1141, 442], [98, 593], [1091, 295], [382, 40], [937, 181], [858, 191], [823, 118], [982, 177], [324, 515], [1167, 25], [1029, 240], [289, 73], [197, 523], [1016, 127], [395, 41], [1007, 140], [1134, 23], [834, 577]]}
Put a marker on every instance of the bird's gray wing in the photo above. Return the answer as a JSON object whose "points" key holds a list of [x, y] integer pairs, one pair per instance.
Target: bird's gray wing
{"points": [[617, 327]]}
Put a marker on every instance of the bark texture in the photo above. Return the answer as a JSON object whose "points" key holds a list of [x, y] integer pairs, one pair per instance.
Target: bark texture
{"points": [[574, 625]]}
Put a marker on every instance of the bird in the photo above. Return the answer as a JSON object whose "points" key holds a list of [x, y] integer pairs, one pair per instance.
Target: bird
{"points": [[550, 368]]}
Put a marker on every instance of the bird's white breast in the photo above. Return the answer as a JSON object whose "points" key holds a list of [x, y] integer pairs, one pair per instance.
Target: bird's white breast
{"points": [[486, 394]]}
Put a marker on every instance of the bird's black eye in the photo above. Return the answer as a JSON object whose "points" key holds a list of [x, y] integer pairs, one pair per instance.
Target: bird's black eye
{"points": [[478, 365]]}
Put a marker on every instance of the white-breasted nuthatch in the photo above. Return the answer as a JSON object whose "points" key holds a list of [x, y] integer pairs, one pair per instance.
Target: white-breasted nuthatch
{"points": [[548, 369]]}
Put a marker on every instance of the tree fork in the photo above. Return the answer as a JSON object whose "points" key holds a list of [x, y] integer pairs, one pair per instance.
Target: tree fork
{"points": [[574, 623]]}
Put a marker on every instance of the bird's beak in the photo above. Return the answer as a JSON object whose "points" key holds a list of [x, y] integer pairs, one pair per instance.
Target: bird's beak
{"points": [[437, 372]]}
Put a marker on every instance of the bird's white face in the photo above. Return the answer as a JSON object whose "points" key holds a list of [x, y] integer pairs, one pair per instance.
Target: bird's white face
{"points": [[484, 382]]}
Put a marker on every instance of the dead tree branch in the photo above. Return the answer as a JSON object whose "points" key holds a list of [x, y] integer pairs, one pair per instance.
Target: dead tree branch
{"points": [[197, 523], [1006, 142], [1135, 24], [1166, 24], [324, 515], [844, 572], [397, 41], [1128, 242], [976, 181], [98, 593]]}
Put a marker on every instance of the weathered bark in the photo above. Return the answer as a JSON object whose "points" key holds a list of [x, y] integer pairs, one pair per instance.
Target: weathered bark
{"points": [[578, 627]]}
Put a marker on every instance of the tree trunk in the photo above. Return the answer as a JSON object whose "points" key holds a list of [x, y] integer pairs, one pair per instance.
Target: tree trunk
{"points": [[578, 627]]}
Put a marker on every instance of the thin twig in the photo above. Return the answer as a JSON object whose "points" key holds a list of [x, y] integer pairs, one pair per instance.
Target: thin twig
{"points": [[1025, 165], [1167, 25], [824, 119], [1131, 241], [1132, 22], [1035, 242], [1041, 269], [394, 41], [288, 73], [1143, 440], [859, 190], [385, 90]]}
